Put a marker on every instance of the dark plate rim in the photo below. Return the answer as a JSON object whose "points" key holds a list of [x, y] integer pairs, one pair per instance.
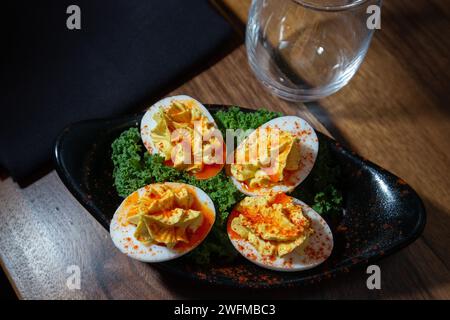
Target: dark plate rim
{"points": [[344, 265]]}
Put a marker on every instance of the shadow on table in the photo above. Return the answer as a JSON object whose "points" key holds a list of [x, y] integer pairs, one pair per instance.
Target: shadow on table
{"points": [[416, 42], [436, 235]]}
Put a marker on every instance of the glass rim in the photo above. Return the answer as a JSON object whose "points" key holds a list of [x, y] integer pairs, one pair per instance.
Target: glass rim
{"points": [[337, 7]]}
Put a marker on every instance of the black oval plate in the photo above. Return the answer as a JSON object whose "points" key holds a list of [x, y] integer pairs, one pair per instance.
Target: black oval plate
{"points": [[382, 214]]}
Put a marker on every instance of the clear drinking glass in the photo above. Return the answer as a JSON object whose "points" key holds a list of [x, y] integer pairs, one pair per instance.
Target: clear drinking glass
{"points": [[304, 50]]}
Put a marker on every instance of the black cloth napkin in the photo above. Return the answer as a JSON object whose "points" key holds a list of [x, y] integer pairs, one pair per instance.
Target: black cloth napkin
{"points": [[126, 51]]}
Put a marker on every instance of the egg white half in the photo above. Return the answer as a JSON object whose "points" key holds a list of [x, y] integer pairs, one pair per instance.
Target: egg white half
{"points": [[309, 147], [309, 255], [151, 253]]}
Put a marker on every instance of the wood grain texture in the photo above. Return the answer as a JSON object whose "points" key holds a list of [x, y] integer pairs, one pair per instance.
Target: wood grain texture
{"points": [[395, 112]]}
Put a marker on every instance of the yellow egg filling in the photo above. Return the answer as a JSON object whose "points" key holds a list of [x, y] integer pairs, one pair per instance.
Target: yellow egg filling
{"points": [[266, 158], [163, 215], [185, 136], [274, 225]]}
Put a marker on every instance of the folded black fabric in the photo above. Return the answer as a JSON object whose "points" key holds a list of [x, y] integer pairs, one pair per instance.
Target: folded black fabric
{"points": [[126, 51]]}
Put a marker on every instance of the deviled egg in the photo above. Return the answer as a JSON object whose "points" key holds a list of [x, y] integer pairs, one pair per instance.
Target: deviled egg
{"points": [[183, 131], [276, 157], [280, 233], [160, 222]]}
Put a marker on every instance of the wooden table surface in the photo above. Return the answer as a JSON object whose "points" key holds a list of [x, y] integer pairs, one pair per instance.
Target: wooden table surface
{"points": [[394, 112]]}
